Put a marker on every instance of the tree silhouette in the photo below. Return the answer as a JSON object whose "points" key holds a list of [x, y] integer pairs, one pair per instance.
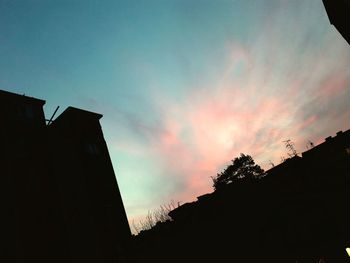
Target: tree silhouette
{"points": [[242, 167]]}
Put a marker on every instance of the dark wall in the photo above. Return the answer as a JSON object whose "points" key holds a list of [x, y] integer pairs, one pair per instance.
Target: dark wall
{"points": [[297, 212], [30, 230], [59, 194], [91, 201]]}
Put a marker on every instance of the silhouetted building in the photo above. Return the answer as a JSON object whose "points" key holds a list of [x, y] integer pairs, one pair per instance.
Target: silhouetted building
{"points": [[91, 203], [60, 198], [338, 14], [297, 212], [25, 184]]}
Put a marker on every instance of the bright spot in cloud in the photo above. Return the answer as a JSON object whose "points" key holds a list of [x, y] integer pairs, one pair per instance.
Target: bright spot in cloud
{"points": [[290, 80]]}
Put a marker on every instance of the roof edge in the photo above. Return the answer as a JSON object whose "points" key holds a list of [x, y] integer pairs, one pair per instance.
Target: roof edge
{"points": [[23, 96]]}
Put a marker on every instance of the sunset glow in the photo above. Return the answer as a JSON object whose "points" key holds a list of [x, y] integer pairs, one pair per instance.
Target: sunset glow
{"points": [[184, 86]]}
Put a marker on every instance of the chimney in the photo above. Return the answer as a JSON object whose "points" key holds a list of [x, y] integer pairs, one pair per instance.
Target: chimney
{"points": [[339, 133], [328, 138]]}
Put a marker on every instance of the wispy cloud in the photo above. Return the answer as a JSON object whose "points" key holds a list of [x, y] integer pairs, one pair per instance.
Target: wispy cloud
{"points": [[292, 81]]}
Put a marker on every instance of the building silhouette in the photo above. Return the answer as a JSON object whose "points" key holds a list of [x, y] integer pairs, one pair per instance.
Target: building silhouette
{"points": [[338, 14], [60, 198], [61, 203], [297, 212]]}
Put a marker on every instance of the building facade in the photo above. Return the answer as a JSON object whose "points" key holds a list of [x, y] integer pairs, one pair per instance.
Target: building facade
{"points": [[59, 192], [337, 11]]}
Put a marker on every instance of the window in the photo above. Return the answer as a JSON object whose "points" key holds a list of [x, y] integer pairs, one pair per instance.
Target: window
{"points": [[92, 149], [26, 112], [348, 150]]}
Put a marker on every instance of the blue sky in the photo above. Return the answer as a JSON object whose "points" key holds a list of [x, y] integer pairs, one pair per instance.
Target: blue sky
{"points": [[184, 86]]}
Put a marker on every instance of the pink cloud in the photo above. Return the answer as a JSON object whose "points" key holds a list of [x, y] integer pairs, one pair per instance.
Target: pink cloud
{"points": [[219, 129], [220, 120], [333, 86], [253, 112]]}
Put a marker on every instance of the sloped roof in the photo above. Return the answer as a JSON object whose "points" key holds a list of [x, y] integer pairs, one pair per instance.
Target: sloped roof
{"points": [[10, 96]]}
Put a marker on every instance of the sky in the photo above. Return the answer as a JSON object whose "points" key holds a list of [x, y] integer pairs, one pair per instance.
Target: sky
{"points": [[184, 86]]}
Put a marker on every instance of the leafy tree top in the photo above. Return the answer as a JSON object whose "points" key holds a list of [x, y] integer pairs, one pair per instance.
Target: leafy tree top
{"points": [[242, 167]]}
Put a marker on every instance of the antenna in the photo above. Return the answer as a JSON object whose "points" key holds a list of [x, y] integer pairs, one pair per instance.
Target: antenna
{"points": [[290, 146], [283, 159], [50, 120], [310, 145]]}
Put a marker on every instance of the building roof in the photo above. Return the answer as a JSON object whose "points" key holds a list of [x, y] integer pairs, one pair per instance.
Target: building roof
{"points": [[72, 113], [79, 112], [330, 141], [290, 162], [10, 96]]}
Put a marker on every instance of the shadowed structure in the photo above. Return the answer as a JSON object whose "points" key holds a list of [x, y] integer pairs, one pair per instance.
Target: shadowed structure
{"points": [[296, 212], [92, 206], [60, 198], [338, 14]]}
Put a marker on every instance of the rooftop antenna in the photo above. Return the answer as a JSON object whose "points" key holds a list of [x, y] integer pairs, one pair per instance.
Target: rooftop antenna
{"points": [[283, 159], [50, 120], [290, 146], [310, 145]]}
